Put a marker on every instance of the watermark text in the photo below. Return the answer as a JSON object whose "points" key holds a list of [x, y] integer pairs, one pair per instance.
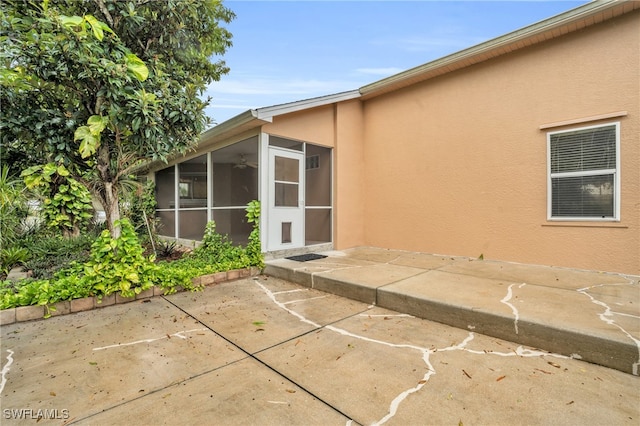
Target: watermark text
{"points": [[35, 414]]}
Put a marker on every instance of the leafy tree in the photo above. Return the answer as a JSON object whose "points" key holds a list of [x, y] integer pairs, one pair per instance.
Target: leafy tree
{"points": [[100, 86]]}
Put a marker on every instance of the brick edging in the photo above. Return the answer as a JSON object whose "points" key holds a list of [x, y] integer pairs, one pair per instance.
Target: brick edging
{"points": [[37, 312]]}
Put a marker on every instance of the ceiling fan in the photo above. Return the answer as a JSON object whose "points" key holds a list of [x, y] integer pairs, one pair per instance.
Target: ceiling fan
{"points": [[243, 163]]}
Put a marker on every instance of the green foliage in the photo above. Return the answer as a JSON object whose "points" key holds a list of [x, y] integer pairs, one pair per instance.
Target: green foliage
{"points": [[118, 264], [216, 253], [51, 252], [167, 248], [254, 247], [12, 207], [12, 256], [67, 203], [139, 206], [101, 86]]}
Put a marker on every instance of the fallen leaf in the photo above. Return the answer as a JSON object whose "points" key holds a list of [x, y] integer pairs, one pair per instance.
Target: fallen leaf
{"points": [[553, 364], [52, 393], [500, 378], [291, 391], [166, 395], [570, 402], [93, 363], [422, 382], [141, 390], [339, 356], [259, 329], [460, 423], [466, 374]]}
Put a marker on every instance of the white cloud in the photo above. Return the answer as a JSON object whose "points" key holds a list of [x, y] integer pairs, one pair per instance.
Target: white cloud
{"points": [[380, 71], [437, 44], [215, 105], [274, 86]]}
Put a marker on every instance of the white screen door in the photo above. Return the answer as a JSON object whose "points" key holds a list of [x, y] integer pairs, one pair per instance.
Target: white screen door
{"points": [[286, 199]]}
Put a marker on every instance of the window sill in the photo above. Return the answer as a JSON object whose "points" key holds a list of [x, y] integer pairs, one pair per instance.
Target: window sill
{"points": [[585, 225]]}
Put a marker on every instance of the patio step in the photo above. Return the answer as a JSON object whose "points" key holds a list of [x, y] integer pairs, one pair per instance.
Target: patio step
{"points": [[587, 315]]}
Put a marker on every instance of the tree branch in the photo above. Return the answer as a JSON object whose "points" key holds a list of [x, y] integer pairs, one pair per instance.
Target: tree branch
{"points": [[105, 12]]}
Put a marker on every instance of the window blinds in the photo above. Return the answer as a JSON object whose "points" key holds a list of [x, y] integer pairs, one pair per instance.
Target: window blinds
{"points": [[583, 172]]}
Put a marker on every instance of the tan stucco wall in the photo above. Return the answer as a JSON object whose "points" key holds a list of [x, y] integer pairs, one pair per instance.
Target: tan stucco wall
{"points": [[457, 165], [315, 126], [349, 166]]}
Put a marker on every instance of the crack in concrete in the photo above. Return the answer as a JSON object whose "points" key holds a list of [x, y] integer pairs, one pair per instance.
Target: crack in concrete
{"points": [[291, 291], [180, 334], [385, 316], [607, 317], [426, 352], [303, 300], [506, 300], [5, 369]]}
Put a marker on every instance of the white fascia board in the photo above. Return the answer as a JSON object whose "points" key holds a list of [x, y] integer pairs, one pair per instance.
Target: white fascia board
{"points": [[267, 113]]}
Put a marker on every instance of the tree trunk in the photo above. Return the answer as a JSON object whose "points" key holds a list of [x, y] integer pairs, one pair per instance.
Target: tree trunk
{"points": [[111, 208]]}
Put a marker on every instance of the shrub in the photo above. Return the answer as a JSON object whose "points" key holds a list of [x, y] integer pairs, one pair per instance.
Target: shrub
{"points": [[120, 265], [51, 253], [10, 257]]}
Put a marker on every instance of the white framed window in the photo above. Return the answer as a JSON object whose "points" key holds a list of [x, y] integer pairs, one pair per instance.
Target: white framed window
{"points": [[584, 173]]}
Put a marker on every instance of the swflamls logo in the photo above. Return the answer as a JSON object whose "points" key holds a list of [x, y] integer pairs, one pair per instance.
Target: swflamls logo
{"points": [[35, 414]]}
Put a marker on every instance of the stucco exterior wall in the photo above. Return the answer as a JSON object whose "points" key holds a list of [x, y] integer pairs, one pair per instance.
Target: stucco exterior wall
{"points": [[349, 166], [314, 125], [458, 165]]}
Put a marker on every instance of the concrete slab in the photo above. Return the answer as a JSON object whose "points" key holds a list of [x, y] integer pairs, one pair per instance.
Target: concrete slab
{"points": [[592, 314], [379, 366], [329, 360], [243, 393], [537, 316], [361, 283], [91, 361], [427, 261], [261, 324], [535, 274]]}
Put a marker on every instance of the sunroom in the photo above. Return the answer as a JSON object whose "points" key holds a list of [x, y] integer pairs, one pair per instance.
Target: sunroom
{"points": [[291, 178]]}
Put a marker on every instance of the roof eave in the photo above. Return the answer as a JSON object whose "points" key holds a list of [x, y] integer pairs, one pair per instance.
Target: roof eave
{"points": [[500, 45], [240, 123], [267, 113]]}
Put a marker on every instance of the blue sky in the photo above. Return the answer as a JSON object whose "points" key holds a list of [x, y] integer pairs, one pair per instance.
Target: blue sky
{"points": [[285, 51]]}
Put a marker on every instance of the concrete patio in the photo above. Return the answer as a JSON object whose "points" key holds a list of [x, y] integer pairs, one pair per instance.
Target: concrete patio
{"points": [[590, 315], [267, 351]]}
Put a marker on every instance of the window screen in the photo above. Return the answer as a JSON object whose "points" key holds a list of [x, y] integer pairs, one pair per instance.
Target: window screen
{"points": [[583, 173]]}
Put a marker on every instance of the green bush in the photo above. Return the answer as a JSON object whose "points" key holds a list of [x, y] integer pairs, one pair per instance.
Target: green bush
{"points": [[13, 207], [120, 265], [10, 257], [52, 252]]}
